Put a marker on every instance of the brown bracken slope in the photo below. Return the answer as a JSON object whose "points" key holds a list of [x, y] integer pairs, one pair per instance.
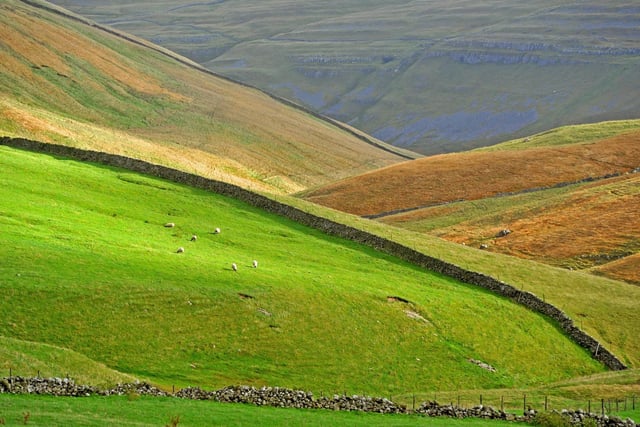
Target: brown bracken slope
{"points": [[65, 81], [591, 225], [477, 175]]}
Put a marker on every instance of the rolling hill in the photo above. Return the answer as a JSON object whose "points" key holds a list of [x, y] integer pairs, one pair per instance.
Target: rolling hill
{"points": [[91, 276], [436, 76], [571, 204], [63, 80], [90, 267]]}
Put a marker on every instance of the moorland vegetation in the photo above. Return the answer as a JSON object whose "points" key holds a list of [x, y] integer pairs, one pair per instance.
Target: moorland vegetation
{"points": [[455, 74]]}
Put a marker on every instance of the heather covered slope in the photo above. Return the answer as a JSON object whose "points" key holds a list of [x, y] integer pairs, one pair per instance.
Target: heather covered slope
{"points": [[522, 186], [434, 76], [65, 81]]}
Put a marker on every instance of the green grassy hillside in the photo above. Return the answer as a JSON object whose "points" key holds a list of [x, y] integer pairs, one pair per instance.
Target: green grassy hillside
{"points": [[89, 267], [435, 76], [63, 80]]}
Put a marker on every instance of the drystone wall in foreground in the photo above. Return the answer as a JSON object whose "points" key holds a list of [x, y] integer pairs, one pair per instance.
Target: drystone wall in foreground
{"points": [[287, 398]]}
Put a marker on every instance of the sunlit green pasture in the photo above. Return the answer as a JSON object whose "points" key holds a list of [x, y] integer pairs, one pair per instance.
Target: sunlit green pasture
{"points": [[88, 266], [144, 411]]}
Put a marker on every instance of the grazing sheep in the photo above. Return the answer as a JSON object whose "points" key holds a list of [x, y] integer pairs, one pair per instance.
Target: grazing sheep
{"points": [[234, 267], [170, 225], [180, 250], [217, 231], [194, 238], [503, 233], [255, 264]]}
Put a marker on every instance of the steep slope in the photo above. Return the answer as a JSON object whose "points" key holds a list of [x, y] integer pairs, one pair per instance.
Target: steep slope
{"points": [[470, 197], [436, 76], [66, 81], [89, 266]]}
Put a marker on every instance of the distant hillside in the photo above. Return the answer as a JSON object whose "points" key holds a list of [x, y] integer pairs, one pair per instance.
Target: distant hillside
{"points": [[437, 76], [65, 81], [470, 197]]}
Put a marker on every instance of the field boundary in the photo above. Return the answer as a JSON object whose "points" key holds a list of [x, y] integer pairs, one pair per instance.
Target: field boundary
{"points": [[289, 398], [525, 298]]}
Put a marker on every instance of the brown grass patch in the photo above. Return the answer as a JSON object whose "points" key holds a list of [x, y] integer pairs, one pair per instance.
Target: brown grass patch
{"points": [[477, 175], [91, 76], [626, 269], [50, 44], [595, 224], [30, 123], [589, 227]]}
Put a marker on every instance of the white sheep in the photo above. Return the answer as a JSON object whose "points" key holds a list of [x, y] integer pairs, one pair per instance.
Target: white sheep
{"points": [[180, 250], [194, 238], [217, 231], [234, 267], [255, 264], [170, 225]]}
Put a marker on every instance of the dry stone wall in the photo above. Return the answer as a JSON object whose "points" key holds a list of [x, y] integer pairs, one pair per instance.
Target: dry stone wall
{"points": [[287, 398], [531, 301]]}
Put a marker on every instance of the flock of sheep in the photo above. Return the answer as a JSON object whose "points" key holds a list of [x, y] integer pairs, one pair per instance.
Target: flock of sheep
{"points": [[180, 250]]}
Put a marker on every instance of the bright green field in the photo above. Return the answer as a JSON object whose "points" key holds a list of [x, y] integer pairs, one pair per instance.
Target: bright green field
{"points": [[144, 411], [88, 267]]}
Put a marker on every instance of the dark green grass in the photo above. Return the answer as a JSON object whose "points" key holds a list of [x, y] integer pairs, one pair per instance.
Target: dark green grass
{"points": [[88, 266]]}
